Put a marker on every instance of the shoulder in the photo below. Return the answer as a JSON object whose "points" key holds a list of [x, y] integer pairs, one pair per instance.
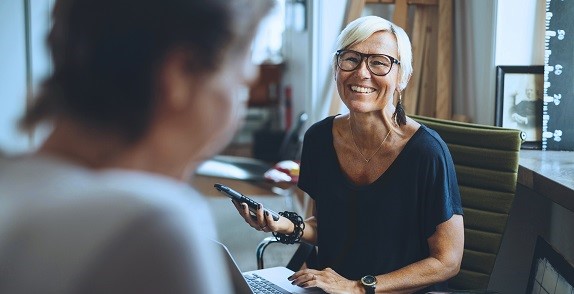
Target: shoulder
{"points": [[171, 228], [320, 130], [157, 196], [322, 125], [91, 221], [161, 222], [431, 136], [428, 142]]}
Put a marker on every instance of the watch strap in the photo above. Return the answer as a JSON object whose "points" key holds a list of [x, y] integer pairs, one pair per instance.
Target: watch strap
{"points": [[369, 289], [369, 284]]}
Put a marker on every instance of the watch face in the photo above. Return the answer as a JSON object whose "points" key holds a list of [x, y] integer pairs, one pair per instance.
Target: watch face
{"points": [[369, 280]]}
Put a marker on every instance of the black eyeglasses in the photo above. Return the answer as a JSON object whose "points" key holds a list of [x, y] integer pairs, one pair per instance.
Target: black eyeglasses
{"points": [[377, 64]]}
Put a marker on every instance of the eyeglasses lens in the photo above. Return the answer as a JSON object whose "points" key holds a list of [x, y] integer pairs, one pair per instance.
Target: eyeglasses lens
{"points": [[378, 64]]}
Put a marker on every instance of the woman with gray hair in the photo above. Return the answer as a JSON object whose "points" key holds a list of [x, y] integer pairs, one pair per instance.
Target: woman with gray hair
{"points": [[142, 91], [387, 211]]}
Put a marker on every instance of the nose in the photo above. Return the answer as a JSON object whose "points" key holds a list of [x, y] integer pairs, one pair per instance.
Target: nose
{"points": [[362, 70]]}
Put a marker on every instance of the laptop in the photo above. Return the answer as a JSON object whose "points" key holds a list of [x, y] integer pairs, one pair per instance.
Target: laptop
{"points": [[262, 281]]}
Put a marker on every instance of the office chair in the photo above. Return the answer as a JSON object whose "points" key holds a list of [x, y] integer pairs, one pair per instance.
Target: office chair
{"points": [[251, 169], [486, 163]]}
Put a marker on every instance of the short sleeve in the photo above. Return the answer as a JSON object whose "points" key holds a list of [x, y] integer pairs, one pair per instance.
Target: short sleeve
{"points": [[307, 173], [317, 140], [442, 199]]}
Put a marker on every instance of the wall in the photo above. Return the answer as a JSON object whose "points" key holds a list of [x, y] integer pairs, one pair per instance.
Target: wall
{"points": [[520, 32], [473, 65], [21, 68], [327, 22], [12, 74], [487, 34], [298, 57]]}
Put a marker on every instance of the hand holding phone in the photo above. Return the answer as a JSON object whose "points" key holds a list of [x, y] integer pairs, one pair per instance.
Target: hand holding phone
{"points": [[251, 204]]}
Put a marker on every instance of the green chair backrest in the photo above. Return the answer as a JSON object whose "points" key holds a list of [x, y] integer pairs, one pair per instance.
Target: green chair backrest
{"points": [[486, 162]]}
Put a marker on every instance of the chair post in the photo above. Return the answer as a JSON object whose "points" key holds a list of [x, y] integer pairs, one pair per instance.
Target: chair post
{"points": [[261, 249]]}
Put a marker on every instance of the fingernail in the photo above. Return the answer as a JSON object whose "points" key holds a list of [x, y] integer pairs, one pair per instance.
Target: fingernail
{"points": [[266, 213], [259, 206], [290, 277]]}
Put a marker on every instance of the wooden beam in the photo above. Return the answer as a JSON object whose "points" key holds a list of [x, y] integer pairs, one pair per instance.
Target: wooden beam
{"points": [[409, 2], [423, 2], [427, 89], [444, 60], [354, 10], [400, 16], [411, 95]]}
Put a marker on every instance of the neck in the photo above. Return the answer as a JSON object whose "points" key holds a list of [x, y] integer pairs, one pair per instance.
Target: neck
{"points": [[369, 129], [369, 157]]}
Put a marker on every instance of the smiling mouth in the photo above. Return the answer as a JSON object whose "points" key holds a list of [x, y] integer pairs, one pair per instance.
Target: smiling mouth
{"points": [[363, 90]]}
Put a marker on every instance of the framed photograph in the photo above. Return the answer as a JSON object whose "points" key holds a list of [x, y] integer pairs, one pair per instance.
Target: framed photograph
{"points": [[550, 271], [519, 99]]}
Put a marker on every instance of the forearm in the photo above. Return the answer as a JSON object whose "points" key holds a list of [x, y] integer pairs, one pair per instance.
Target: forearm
{"points": [[416, 276], [310, 232], [446, 248]]}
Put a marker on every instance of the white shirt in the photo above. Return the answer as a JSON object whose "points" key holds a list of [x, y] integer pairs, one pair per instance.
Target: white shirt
{"points": [[68, 229]]}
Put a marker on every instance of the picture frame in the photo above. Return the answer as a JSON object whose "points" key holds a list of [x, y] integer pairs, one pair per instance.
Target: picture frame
{"points": [[519, 101]]}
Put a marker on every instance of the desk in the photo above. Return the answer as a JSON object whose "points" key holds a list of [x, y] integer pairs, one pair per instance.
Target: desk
{"points": [[549, 173]]}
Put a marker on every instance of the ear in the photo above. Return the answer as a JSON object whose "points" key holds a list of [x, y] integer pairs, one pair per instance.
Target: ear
{"points": [[175, 81]]}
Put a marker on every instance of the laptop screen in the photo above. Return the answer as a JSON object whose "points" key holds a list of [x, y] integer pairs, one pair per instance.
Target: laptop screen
{"points": [[240, 286]]}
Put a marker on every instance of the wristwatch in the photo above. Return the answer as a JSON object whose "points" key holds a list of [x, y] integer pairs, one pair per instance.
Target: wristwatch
{"points": [[369, 283]]}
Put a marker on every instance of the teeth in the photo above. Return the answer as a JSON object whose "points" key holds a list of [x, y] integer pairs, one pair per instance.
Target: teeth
{"points": [[362, 89]]}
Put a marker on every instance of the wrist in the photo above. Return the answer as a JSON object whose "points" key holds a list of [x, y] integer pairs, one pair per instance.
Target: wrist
{"points": [[298, 228], [359, 287], [369, 284], [289, 227]]}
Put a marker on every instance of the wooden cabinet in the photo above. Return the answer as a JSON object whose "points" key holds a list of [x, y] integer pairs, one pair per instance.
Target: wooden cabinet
{"points": [[266, 91], [263, 110]]}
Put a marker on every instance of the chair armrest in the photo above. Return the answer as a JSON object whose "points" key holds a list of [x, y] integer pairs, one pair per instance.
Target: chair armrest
{"points": [[261, 250], [305, 253]]}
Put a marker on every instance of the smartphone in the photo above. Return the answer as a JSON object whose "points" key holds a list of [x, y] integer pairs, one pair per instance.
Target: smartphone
{"points": [[251, 204]]}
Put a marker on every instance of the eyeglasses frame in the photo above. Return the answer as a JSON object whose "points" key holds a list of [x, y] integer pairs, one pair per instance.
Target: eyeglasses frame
{"points": [[364, 57]]}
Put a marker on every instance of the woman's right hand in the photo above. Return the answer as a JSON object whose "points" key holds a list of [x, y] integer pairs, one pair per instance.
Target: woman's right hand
{"points": [[262, 222]]}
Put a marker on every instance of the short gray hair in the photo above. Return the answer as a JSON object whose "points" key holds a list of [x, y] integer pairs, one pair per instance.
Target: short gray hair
{"points": [[362, 28]]}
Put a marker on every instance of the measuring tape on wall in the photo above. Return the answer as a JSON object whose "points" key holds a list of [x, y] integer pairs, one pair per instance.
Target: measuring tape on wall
{"points": [[558, 106]]}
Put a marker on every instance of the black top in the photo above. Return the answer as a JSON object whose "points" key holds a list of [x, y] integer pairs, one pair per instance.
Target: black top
{"points": [[380, 227]]}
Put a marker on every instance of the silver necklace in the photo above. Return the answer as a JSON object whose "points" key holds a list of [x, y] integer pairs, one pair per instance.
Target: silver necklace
{"points": [[357, 146]]}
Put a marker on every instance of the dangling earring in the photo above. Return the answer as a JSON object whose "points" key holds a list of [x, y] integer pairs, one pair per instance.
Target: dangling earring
{"points": [[399, 115]]}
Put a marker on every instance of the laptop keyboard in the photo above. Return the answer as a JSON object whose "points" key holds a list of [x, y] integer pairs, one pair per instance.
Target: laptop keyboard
{"points": [[260, 285]]}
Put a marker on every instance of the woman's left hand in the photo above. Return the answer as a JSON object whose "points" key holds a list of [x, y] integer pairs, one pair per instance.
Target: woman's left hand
{"points": [[328, 280]]}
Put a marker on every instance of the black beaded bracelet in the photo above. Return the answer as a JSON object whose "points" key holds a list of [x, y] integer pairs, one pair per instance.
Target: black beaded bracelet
{"points": [[294, 237]]}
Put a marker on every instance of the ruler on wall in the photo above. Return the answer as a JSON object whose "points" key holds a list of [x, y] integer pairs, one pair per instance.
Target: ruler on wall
{"points": [[558, 106]]}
